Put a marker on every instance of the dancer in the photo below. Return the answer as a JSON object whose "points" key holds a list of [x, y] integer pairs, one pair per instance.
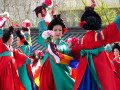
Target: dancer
{"points": [[9, 59], [116, 60], [24, 48], [96, 70], [54, 76], [116, 63]]}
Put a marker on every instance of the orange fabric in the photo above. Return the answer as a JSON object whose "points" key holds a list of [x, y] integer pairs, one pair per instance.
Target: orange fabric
{"points": [[74, 73], [47, 23]]}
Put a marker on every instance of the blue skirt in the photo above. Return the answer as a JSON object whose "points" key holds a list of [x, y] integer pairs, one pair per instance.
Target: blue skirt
{"points": [[88, 82]]}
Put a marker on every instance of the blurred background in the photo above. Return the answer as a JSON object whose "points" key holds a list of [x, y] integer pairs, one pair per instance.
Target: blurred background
{"points": [[70, 10]]}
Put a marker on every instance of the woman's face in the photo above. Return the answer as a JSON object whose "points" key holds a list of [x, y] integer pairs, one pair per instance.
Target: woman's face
{"points": [[19, 43], [10, 40], [57, 31], [116, 52]]}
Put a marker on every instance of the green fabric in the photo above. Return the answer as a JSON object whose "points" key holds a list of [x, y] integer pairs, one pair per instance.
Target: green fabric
{"points": [[1, 33], [61, 74], [23, 73], [118, 65], [25, 50], [6, 53], [112, 62], [42, 27], [108, 48], [27, 37], [117, 22], [28, 61], [89, 53], [62, 47]]}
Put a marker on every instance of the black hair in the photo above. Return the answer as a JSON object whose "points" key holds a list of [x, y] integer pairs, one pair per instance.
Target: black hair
{"points": [[116, 46], [7, 35], [25, 29], [56, 21], [21, 36], [92, 18]]}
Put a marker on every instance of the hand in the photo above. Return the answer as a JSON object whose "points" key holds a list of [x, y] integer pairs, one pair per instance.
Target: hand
{"points": [[32, 60], [39, 15]]}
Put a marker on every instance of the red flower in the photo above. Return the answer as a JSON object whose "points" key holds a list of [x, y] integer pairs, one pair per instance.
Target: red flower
{"points": [[93, 1], [52, 12], [1, 18], [82, 23], [13, 24], [56, 5], [74, 40], [17, 25], [93, 5], [27, 24], [48, 2], [41, 54], [64, 30]]}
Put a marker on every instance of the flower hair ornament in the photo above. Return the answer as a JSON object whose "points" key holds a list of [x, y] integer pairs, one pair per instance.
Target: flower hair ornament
{"points": [[82, 23], [26, 23]]}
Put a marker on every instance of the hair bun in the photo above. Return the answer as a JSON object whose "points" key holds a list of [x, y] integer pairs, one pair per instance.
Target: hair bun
{"points": [[18, 32], [89, 8], [25, 29], [56, 16], [91, 20], [11, 28]]}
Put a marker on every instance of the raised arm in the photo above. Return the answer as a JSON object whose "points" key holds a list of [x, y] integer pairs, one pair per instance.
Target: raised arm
{"points": [[42, 27], [111, 33], [1, 41]]}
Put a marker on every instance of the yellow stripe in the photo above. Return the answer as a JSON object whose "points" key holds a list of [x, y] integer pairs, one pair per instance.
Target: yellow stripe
{"points": [[96, 37], [82, 40], [102, 35]]}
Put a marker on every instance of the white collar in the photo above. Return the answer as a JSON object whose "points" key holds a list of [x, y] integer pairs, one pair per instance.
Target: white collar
{"points": [[116, 57], [7, 46]]}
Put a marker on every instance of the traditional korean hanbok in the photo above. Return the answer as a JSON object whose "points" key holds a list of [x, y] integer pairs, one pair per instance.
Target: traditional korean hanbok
{"points": [[25, 72], [9, 60], [95, 71], [54, 76]]}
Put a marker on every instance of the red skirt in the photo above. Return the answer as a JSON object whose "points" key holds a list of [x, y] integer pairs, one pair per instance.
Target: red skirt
{"points": [[46, 79]]}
